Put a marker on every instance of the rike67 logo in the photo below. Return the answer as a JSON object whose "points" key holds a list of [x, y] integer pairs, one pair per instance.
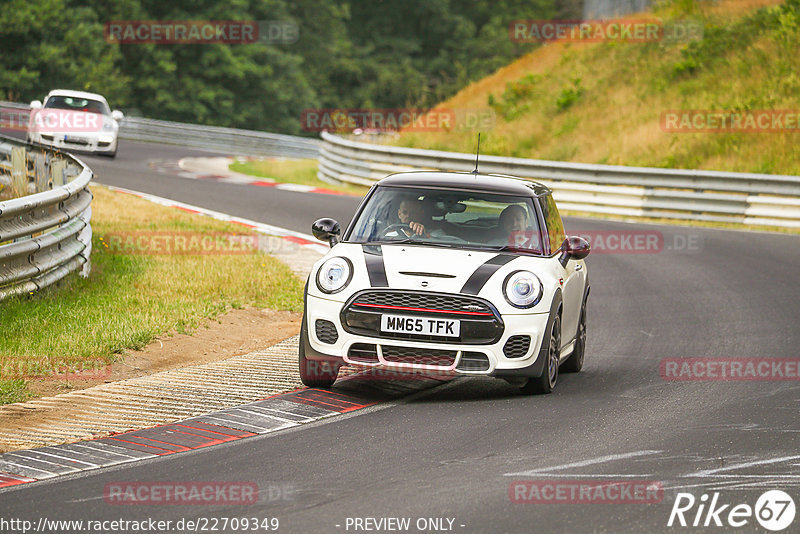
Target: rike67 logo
{"points": [[774, 510]]}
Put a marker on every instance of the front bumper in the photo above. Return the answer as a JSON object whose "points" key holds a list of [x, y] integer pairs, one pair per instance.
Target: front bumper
{"points": [[90, 142], [461, 358]]}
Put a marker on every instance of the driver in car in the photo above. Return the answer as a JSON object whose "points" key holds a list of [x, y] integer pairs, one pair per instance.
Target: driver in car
{"points": [[413, 213]]}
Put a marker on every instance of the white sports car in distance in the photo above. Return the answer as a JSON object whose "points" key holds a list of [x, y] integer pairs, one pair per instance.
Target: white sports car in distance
{"points": [[464, 273], [75, 120]]}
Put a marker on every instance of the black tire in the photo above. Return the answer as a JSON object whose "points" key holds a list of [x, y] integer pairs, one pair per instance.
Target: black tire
{"points": [[575, 361], [314, 374], [547, 382]]}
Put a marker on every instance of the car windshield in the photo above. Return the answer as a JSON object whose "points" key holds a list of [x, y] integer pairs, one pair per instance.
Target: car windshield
{"points": [[464, 219], [77, 104]]}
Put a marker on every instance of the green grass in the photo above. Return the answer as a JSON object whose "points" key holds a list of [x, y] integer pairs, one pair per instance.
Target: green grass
{"points": [[129, 299], [13, 391], [303, 172], [603, 102]]}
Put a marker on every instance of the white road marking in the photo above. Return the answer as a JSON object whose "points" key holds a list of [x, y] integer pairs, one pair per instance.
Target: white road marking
{"points": [[701, 485], [581, 475], [788, 477], [708, 472], [771, 483], [584, 463]]}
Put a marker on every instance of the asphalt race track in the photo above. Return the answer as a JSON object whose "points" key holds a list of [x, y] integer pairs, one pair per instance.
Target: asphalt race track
{"points": [[288, 209], [454, 451]]}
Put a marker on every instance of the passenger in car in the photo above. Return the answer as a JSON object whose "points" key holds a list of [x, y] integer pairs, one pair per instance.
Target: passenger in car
{"points": [[514, 228], [514, 218]]}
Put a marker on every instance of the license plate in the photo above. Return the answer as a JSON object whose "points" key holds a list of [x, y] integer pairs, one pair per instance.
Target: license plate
{"points": [[421, 325], [74, 139]]}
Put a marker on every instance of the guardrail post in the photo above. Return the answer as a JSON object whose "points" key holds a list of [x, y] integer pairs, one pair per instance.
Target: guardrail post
{"points": [[40, 173], [19, 174], [58, 171], [86, 237]]}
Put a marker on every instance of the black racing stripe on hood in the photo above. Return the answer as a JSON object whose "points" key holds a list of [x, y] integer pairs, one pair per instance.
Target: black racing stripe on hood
{"points": [[482, 274], [373, 256]]}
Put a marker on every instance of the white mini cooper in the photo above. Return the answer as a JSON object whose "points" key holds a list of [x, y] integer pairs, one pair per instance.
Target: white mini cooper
{"points": [[464, 273]]}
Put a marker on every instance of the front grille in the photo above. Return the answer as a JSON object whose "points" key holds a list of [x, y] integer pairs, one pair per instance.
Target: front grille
{"points": [[363, 352], [418, 356], [326, 331], [76, 141], [480, 322], [431, 302], [473, 361], [517, 346]]}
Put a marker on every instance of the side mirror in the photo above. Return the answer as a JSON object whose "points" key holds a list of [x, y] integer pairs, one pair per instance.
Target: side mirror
{"points": [[577, 247], [117, 115], [326, 230], [574, 248], [36, 104]]}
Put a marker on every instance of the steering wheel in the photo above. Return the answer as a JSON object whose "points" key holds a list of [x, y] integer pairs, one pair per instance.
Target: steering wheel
{"points": [[401, 229]]}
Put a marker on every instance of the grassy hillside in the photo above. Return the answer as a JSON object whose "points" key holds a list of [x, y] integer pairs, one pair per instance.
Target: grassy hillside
{"points": [[602, 102]]}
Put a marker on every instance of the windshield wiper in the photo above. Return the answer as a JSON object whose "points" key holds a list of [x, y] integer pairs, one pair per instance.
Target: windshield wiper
{"points": [[410, 241], [392, 242], [522, 250]]}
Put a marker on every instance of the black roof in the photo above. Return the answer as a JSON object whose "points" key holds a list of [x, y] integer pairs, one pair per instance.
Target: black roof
{"points": [[467, 181]]}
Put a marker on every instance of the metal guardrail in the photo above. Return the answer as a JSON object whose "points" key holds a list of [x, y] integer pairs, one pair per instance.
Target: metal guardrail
{"points": [[226, 140], [762, 199], [604, 9], [211, 138], [46, 235]]}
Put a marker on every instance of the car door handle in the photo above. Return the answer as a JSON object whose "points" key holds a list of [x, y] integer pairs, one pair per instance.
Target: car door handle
{"points": [[578, 267]]}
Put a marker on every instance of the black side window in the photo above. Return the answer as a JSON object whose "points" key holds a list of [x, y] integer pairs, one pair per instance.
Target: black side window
{"points": [[555, 227]]}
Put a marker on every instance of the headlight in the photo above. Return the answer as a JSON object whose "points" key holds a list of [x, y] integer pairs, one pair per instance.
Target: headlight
{"points": [[522, 289], [105, 138], [334, 275]]}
